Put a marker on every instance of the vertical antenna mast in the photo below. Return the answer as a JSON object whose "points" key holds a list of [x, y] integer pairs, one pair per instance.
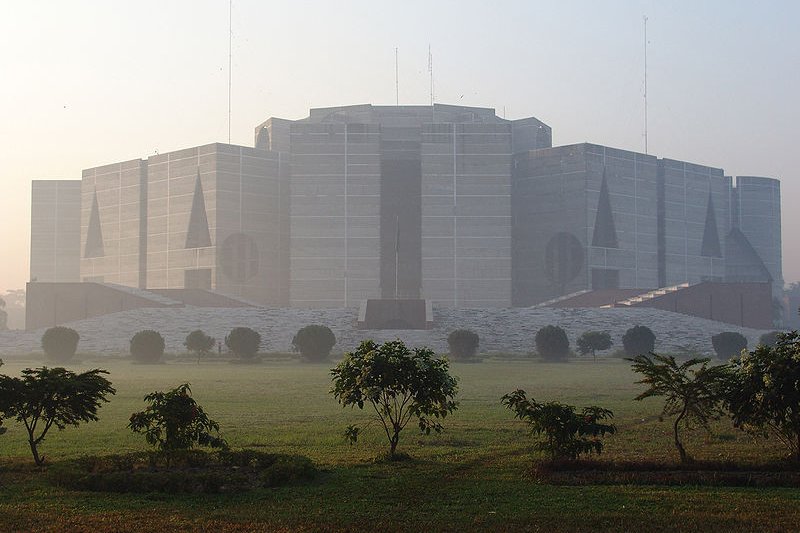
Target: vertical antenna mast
{"points": [[396, 80], [230, 55], [645, 84], [430, 71]]}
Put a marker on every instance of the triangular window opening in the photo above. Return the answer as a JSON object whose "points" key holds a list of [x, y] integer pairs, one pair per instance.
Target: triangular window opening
{"points": [[94, 234], [605, 234], [197, 235], [710, 246]]}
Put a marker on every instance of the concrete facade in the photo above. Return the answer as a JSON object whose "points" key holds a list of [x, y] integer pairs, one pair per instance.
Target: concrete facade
{"points": [[212, 217], [696, 218], [113, 223], [451, 204], [217, 219], [432, 183], [589, 217], [335, 214], [585, 217], [55, 230], [466, 214], [758, 216]]}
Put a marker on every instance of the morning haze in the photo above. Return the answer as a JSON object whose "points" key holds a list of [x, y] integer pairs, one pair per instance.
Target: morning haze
{"points": [[92, 84], [399, 266]]}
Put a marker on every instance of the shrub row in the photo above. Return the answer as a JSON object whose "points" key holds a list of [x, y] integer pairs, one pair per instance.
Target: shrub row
{"points": [[315, 342], [552, 343], [194, 471]]}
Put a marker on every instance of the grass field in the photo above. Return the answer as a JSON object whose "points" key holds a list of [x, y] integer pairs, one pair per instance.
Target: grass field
{"points": [[475, 475]]}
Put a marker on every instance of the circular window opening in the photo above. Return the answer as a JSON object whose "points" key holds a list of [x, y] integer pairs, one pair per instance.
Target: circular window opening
{"points": [[563, 258]]}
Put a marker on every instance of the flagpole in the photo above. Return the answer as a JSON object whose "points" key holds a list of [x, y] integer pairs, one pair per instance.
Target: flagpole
{"points": [[396, 253]]}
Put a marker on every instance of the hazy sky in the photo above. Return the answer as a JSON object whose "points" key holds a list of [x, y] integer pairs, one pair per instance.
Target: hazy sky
{"points": [[88, 83]]}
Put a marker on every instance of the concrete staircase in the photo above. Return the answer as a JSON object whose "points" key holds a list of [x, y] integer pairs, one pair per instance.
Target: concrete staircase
{"points": [[145, 294], [655, 293], [552, 301]]}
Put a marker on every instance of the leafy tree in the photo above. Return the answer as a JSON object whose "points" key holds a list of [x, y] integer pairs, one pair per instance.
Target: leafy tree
{"points": [[46, 397], [769, 339], [147, 346], [314, 342], [173, 421], [568, 434], [728, 344], [199, 343], [463, 344], [552, 343], [591, 341], [60, 343], [399, 384], [244, 342], [694, 394], [764, 392], [638, 340]]}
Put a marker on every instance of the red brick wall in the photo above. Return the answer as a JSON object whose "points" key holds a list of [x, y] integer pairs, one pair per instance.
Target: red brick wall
{"points": [[53, 304], [741, 304]]}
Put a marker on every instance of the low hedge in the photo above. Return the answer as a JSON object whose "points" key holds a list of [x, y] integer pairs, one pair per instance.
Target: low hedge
{"points": [[193, 471]]}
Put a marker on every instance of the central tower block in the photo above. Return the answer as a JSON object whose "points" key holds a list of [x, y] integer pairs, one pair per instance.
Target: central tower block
{"points": [[401, 202]]}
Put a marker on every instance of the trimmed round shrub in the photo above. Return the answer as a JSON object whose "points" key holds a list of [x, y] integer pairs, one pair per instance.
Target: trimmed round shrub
{"points": [[769, 339], [198, 342], [60, 343], [638, 340], [147, 346], [463, 344], [244, 342], [314, 342], [728, 344], [552, 343]]}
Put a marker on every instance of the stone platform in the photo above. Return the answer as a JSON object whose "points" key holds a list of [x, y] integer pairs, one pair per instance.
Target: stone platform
{"points": [[509, 330]]}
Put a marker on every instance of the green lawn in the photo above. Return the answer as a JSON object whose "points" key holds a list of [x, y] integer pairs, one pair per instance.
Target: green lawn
{"points": [[476, 475]]}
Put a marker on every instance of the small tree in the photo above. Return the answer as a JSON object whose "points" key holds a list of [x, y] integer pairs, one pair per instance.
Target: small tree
{"points": [[591, 341], [173, 421], [463, 344], [60, 343], [46, 397], [769, 339], [693, 394], [244, 342], [552, 343], [199, 343], [147, 346], [764, 392], [314, 342], [399, 384], [638, 340], [728, 344], [567, 434]]}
